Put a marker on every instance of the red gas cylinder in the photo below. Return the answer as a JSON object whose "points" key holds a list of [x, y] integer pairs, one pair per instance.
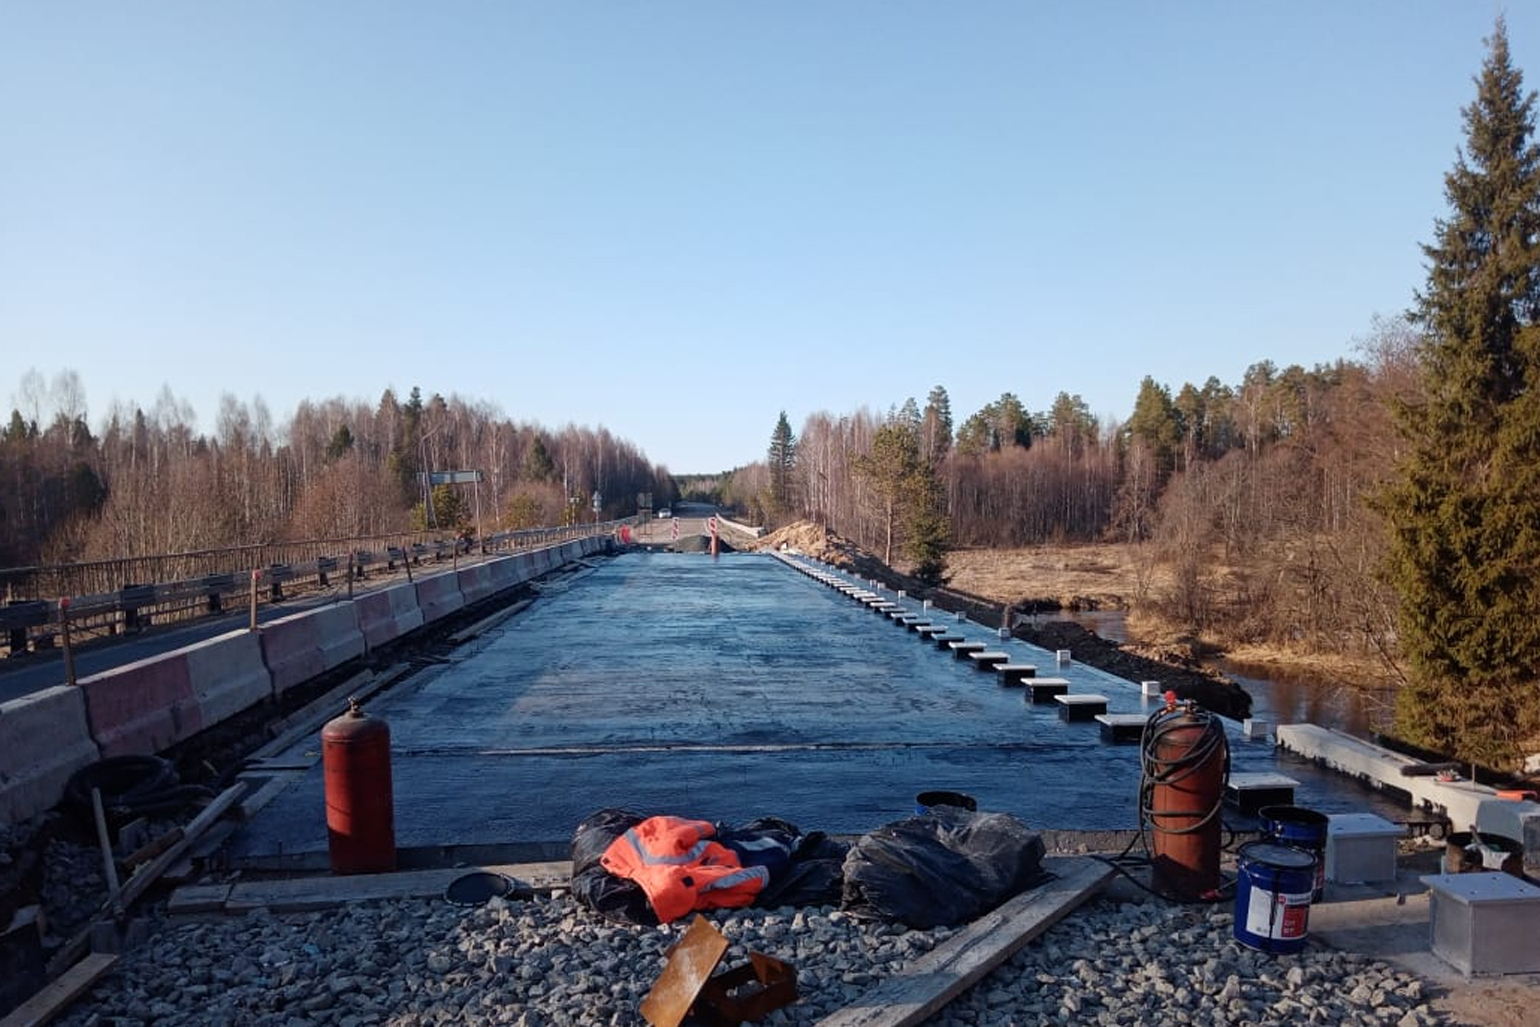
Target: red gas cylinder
{"points": [[1186, 760], [360, 810]]}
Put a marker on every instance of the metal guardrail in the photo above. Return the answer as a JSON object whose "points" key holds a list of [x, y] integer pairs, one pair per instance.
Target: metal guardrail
{"points": [[209, 578]]}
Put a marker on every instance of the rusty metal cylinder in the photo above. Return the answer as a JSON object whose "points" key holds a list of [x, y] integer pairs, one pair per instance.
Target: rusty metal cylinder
{"points": [[1186, 761], [360, 806]]}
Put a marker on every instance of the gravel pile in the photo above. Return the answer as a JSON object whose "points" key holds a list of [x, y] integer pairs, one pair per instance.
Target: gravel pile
{"points": [[550, 963]]}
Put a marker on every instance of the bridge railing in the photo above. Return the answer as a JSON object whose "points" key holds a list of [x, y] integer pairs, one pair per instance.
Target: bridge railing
{"points": [[105, 596]]}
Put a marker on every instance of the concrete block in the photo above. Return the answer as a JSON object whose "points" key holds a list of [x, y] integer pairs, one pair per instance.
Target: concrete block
{"points": [[1457, 800], [44, 738], [1253, 728], [1151, 689]]}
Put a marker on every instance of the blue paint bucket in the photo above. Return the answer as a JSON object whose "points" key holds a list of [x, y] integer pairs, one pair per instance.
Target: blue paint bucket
{"points": [[1272, 897], [925, 800], [1302, 828]]}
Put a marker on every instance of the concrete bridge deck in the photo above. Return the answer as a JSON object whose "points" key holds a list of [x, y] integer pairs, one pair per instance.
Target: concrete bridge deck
{"points": [[728, 689]]}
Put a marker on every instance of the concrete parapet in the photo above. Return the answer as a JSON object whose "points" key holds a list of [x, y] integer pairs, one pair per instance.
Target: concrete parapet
{"points": [[227, 675], [568, 552], [387, 614], [475, 582], [142, 708], [439, 596], [1459, 800], [44, 738], [524, 567]]}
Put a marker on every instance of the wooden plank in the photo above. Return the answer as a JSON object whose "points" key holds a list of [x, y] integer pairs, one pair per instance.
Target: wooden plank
{"points": [[487, 623], [267, 793], [304, 894], [198, 898], [939, 976], [56, 996]]}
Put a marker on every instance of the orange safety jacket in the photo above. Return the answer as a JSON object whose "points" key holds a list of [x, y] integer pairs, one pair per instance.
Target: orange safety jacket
{"points": [[680, 869]]}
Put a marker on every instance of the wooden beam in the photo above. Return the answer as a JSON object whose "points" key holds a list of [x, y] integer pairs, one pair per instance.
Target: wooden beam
{"points": [[933, 980], [303, 894], [487, 623], [56, 996]]}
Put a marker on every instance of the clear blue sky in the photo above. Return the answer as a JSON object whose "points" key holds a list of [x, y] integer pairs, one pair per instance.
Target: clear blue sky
{"points": [[677, 219]]}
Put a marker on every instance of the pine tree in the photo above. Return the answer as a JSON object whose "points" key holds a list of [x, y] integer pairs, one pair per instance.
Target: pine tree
{"points": [[910, 499], [1464, 510], [782, 459]]}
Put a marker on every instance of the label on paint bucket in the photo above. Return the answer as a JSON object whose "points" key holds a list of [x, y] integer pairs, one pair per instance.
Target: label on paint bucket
{"points": [[1280, 916]]}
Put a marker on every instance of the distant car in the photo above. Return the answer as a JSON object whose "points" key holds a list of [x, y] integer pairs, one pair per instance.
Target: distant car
{"points": [[665, 513]]}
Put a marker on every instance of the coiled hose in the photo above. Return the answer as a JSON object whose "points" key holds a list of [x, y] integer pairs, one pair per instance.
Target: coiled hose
{"points": [[130, 786], [1156, 770], [1168, 761]]}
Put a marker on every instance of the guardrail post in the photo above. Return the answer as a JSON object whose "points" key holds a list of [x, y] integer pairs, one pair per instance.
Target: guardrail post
{"points": [[64, 640], [254, 575]]}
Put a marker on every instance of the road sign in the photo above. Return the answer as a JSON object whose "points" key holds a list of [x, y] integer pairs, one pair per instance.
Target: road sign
{"points": [[453, 477]]}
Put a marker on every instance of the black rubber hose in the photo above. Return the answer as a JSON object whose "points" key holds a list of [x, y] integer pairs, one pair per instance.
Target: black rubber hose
{"points": [[130, 786]]}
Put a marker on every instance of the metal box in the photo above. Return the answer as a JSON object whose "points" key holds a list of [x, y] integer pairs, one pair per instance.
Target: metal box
{"points": [[1485, 923], [1360, 847]]}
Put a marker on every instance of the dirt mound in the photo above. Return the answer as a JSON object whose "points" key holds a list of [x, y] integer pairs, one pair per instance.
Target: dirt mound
{"points": [[820, 543]]}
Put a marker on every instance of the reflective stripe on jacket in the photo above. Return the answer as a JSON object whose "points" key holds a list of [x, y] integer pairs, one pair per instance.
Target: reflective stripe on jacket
{"points": [[681, 868]]}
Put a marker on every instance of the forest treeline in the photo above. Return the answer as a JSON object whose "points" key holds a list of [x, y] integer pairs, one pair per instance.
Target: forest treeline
{"points": [[150, 483], [1254, 492], [1388, 505]]}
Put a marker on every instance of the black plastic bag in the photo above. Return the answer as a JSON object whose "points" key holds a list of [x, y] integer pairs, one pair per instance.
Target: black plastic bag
{"points": [[947, 867], [614, 898]]}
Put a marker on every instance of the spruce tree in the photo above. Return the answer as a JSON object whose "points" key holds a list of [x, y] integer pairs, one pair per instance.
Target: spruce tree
{"points": [[1464, 509], [782, 459]]}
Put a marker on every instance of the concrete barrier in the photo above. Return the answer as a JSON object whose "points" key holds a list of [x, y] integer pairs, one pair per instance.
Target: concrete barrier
{"points": [[439, 596], [227, 675], [542, 560], [340, 638], [142, 708], [475, 583], [44, 738], [303, 645], [524, 567], [291, 649], [569, 551], [505, 573], [386, 614]]}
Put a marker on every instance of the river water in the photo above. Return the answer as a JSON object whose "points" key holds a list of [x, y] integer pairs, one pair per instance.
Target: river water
{"points": [[1277, 696]]}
